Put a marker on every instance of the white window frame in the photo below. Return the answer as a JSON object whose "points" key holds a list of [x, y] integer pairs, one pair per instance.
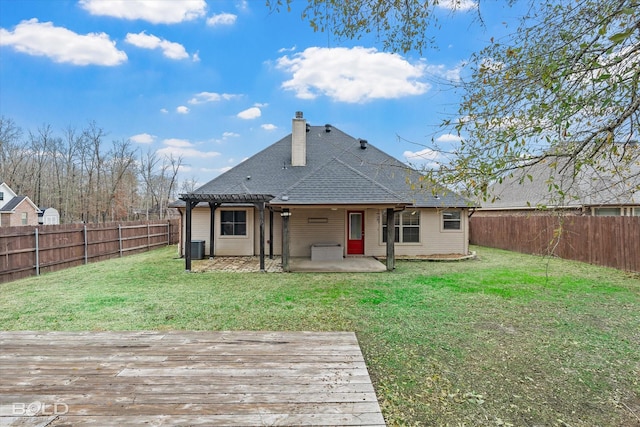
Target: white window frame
{"points": [[400, 226], [444, 220], [24, 218], [608, 208]]}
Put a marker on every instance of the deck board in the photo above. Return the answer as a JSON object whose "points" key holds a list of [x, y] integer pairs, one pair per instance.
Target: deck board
{"points": [[184, 378]]}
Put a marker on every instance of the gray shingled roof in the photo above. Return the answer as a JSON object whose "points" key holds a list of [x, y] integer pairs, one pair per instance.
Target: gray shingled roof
{"points": [[12, 204], [588, 187], [338, 171]]}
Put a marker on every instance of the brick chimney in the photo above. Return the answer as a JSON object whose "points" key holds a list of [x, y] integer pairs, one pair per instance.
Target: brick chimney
{"points": [[299, 141]]}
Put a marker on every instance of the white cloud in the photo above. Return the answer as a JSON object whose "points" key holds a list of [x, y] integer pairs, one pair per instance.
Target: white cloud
{"points": [[426, 157], [183, 148], [269, 126], [450, 74], [459, 5], [449, 137], [250, 113], [148, 41], [425, 154], [204, 97], [287, 49], [222, 19], [353, 75], [175, 142], [143, 138], [156, 12], [242, 5], [226, 135], [182, 110], [164, 111], [62, 45]]}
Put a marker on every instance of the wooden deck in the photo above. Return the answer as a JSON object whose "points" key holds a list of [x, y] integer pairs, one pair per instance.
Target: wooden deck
{"points": [[184, 378]]}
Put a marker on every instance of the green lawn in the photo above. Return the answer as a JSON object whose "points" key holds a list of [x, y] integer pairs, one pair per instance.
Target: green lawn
{"points": [[506, 339]]}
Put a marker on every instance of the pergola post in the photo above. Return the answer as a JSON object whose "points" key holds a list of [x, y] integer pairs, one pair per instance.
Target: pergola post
{"points": [[260, 207], [270, 233], [212, 228], [187, 244], [391, 237], [285, 239]]}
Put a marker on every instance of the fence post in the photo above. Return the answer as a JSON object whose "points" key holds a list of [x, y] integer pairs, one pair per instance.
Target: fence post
{"points": [[148, 236], [120, 239], [168, 233], [37, 252], [86, 246]]}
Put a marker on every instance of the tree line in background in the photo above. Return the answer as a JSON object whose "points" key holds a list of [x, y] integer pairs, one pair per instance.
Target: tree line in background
{"points": [[86, 177]]}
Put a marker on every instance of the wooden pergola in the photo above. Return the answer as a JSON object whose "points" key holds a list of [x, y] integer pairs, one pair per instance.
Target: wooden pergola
{"points": [[216, 200]]}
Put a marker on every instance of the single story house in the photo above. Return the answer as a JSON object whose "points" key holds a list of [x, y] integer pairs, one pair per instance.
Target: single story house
{"points": [[16, 210], [590, 191], [328, 195]]}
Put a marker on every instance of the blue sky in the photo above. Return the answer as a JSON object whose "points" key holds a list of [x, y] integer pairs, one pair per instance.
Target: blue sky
{"points": [[217, 81]]}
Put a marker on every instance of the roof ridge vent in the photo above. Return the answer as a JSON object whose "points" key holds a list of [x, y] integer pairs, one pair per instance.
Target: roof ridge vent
{"points": [[363, 143], [327, 128]]}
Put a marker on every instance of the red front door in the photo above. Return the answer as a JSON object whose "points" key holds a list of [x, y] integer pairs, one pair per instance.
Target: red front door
{"points": [[355, 233]]}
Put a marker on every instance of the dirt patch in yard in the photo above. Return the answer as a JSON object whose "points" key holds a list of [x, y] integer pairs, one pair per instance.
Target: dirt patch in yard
{"points": [[434, 257]]}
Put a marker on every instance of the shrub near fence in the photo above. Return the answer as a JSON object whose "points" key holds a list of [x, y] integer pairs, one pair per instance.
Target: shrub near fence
{"points": [[27, 251], [606, 241]]}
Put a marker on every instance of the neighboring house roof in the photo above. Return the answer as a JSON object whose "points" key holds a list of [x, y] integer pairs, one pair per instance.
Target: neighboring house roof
{"points": [[337, 171], [12, 204], [534, 186]]}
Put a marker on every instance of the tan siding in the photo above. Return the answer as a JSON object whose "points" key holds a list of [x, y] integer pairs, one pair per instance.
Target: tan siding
{"points": [[224, 245], [439, 241], [304, 234], [433, 239], [199, 227], [373, 245], [277, 233], [235, 245]]}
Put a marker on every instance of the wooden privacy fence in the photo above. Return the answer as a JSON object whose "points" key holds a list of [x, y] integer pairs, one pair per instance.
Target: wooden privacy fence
{"points": [[607, 241], [27, 251]]}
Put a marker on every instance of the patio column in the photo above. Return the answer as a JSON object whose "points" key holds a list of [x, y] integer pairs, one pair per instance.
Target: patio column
{"points": [[187, 244], [260, 207], [391, 237], [212, 228], [270, 233], [285, 239]]}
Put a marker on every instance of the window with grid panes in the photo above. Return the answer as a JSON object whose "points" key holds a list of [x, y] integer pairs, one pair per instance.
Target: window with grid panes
{"points": [[233, 223], [451, 220], [407, 227]]}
